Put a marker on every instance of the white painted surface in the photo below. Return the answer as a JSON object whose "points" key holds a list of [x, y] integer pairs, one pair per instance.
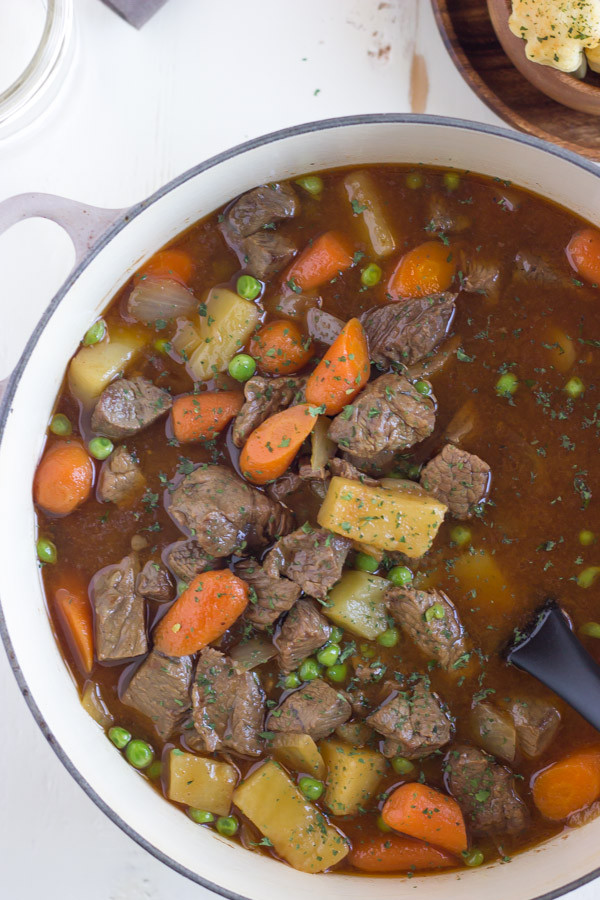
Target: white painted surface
{"points": [[139, 108]]}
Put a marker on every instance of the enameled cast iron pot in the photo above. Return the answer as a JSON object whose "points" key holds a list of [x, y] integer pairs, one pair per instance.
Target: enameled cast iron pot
{"points": [[110, 245]]}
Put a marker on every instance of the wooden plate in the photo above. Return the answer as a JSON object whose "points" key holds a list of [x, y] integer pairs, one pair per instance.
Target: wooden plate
{"points": [[467, 31]]}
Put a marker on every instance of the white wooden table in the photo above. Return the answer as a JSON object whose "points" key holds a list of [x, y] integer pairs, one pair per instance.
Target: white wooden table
{"points": [[139, 108]]}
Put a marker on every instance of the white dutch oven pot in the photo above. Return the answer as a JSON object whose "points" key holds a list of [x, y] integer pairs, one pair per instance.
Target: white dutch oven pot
{"points": [[110, 245]]}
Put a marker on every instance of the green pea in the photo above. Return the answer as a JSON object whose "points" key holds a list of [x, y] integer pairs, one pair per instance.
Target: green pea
{"points": [[337, 673], [227, 825], [154, 770], [201, 816], [382, 825], [337, 634], [460, 535], [414, 181], [60, 425], [328, 654], [586, 537], [119, 736], [473, 857], [590, 629], [312, 788], [311, 183], [574, 387], [95, 333], [366, 563], [101, 447], [367, 651], [400, 575], [402, 766], [162, 345], [292, 681], [423, 387], [242, 367], [248, 287], [309, 669], [139, 754], [414, 471], [371, 275], [587, 577], [507, 384], [451, 180], [46, 551], [388, 638], [436, 611]]}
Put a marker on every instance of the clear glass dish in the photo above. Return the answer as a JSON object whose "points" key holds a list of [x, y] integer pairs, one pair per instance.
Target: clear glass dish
{"points": [[32, 91]]}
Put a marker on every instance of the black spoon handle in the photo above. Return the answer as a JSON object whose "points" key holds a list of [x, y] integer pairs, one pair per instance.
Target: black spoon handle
{"points": [[554, 655]]}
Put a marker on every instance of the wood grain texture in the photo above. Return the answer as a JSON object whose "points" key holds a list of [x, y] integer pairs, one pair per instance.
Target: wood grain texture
{"points": [[470, 39]]}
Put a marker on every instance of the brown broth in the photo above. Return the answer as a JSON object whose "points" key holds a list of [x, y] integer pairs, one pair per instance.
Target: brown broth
{"points": [[538, 445]]}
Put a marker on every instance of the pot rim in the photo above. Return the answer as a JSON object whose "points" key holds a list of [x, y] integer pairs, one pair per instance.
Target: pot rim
{"points": [[114, 229]]}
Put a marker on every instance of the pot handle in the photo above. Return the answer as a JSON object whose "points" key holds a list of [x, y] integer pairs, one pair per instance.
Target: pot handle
{"points": [[83, 223]]}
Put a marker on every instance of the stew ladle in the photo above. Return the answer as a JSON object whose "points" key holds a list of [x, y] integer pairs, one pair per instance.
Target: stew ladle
{"points": [[549, 650]]}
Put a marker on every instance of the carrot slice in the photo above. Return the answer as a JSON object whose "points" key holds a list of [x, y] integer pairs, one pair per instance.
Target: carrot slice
{"points": [[422, 812], [583, 253], [319, 262], [396, 853], [568, 785], [426, 269], [201, 417], [343, 371], [75, 615], [202, 613], [280, 348], [272, 446], [176, 264], [64, 478]]}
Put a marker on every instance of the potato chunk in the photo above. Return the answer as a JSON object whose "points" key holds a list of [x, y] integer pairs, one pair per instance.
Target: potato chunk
{"points": [[353, 776], [199, 782], [369, 212], [386, 518], [93, 368], [227, 325], [356, 603], [299, 753], [481, 579], [297, 830]]}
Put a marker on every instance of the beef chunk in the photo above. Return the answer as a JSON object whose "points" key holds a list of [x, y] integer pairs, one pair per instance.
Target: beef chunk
{"points": [[267, 252], [186, 559], [390, 414], [430, 619], [375, 466], [155, 583], [160, 689], [414, 725], [322, 326], [480, 276], [120, 630], [269, 596], [127, 406], [406, 331], [345, 469], [305, 629], [228, 705], [284, 486], [312, 557], [225, 514], [538, 271], [536, 722], [446, 215], [121, 479], [264, 398], [485, 792], [315, 709], [457, 478], [259, 207]]}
